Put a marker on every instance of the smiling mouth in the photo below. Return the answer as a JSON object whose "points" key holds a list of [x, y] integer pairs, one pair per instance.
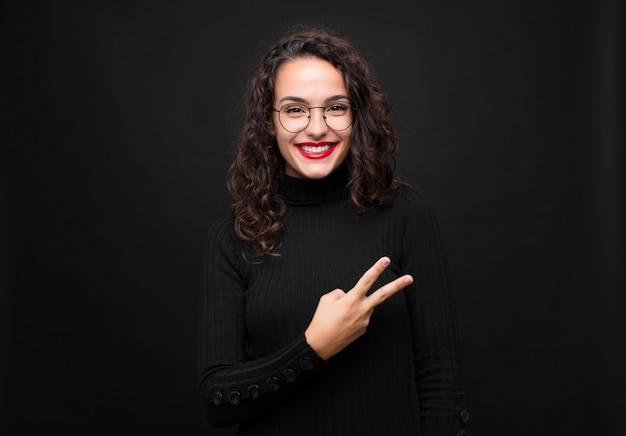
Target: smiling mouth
{"points": [[316, 151]]}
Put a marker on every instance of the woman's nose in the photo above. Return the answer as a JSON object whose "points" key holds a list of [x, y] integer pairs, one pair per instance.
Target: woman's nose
{"points": [[317, 122]]}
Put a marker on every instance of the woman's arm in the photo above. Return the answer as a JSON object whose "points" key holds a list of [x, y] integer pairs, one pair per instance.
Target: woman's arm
{"points": [[233, 389], [434, 324]]}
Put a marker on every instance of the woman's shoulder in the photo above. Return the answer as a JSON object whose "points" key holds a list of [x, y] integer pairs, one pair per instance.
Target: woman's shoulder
{"points": [[222, 230], [412, 197], [221, 223], [415, 206]]}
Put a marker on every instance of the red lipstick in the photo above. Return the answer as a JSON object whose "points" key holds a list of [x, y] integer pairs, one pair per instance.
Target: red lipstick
{"points": [[316, 150]]}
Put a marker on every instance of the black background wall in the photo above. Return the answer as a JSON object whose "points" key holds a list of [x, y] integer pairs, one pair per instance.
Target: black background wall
{"points": [[117, 125]]}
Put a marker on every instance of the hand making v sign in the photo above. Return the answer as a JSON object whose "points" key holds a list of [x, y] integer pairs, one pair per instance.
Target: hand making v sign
{"points": [[342, 317]]}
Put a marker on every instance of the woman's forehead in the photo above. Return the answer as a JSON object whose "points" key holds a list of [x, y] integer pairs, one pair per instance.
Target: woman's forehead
{"points": [[308, 79]]}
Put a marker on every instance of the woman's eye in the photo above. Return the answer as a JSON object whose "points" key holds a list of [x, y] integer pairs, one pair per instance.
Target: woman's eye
{"points": [[295, 110], [337, 107]]}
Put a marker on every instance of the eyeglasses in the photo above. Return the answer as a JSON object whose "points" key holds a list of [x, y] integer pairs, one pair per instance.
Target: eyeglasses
{"points": [[295, 117]]}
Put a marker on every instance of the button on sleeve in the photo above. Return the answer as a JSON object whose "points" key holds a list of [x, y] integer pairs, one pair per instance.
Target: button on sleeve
{"points": [[289, 375], [234, 397], [216, 398], [465, 416], [306, 363], [254, 392], [272, 384]]}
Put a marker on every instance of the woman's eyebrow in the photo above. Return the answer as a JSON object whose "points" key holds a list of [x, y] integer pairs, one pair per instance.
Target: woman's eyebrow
{"points": [[302, 100], [336, 97], [292, 98]]}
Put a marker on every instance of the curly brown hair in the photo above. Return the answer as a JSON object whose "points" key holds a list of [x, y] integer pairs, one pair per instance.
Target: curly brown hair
{"points": [[255, 175]]}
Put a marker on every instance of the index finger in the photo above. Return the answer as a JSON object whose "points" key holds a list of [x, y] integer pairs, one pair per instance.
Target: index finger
{"points": [[386, 291], [370, 276]]}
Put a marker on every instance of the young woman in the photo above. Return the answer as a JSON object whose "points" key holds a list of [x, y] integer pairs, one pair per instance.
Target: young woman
{"points": [[328, 280]]}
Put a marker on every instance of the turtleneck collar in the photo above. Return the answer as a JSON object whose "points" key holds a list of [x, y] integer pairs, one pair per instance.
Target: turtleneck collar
{"points": [[300, 192]]}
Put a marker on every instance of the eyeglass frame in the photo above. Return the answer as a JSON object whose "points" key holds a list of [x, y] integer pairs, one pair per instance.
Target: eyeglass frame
{"points": [[352, 108]]}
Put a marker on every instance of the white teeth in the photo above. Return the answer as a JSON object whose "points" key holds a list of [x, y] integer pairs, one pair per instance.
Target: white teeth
{"points": [[312, 150]]}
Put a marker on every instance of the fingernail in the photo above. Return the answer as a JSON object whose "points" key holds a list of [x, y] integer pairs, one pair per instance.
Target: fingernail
{"points": [[386, 261]]}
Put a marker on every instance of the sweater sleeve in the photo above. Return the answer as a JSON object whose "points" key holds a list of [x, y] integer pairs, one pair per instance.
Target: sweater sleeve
{"points": [[434, 324], [235, 390]]}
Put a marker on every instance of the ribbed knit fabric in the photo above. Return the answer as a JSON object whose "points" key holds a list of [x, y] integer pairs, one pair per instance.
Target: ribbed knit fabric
{"points": [[257, 370]]}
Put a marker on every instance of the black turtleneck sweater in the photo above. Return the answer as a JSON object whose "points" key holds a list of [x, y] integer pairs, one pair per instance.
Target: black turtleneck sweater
{"points": [[257, 370]]}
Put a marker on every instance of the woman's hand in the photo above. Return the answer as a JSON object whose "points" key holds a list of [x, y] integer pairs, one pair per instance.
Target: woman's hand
{"points": [[342, 317]]}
